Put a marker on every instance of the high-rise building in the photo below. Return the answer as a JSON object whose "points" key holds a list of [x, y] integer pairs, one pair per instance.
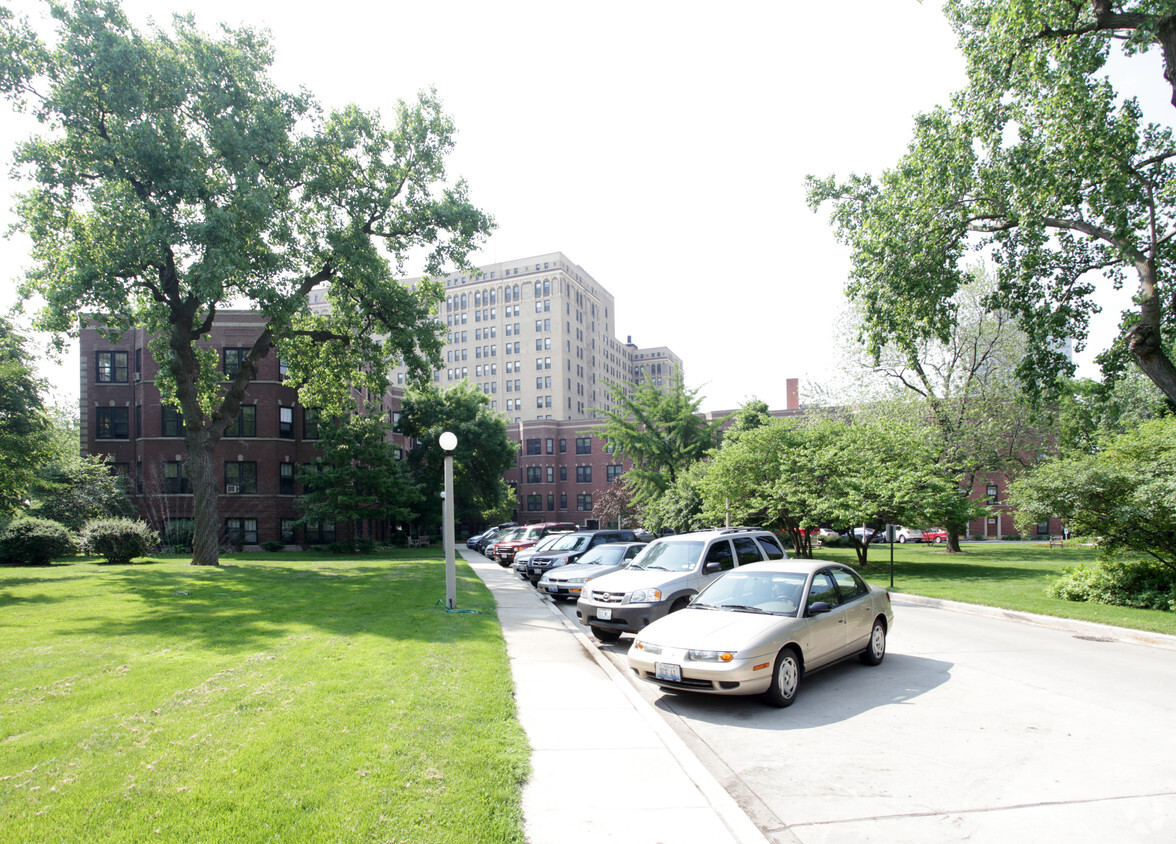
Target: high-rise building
{"points": [[537, 336]]}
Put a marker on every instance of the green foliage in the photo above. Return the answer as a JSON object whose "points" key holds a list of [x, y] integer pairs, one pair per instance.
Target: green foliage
{"points": [[1091, 413], [661, 432], [1142, 584], [1124, 493], [360, 476], [118, 540], [73, 489], [174, 180], [484, 452], [29, 541], [272, 545], [24, 423], [1041, 164], [680, 507]]}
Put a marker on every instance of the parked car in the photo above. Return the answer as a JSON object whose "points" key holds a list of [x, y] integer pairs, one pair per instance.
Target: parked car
{"points": [[472, 542], [523, 558], [494, 532], [566, 582], [571, 547], [666, 575], [935, 535], [505, 550], [506, 536], [760, 628], [906, 534]]}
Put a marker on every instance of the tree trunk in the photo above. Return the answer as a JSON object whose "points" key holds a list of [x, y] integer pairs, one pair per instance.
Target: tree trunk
{"points": [[1145, 338], [206, 518]]}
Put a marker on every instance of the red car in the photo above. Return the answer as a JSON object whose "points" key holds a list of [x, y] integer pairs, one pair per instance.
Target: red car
{"points": [[935, 535]]}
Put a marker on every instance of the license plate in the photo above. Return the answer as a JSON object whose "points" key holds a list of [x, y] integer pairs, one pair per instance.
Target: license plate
{"points": [[551, 588], [604, 614], [668, 671]]}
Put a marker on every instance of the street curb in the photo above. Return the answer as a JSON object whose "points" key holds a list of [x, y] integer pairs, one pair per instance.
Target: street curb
{"points": [[1082, 628], [731, 813]]}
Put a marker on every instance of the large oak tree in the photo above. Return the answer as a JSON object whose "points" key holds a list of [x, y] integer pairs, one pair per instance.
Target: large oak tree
{"points": [[174, 179]]}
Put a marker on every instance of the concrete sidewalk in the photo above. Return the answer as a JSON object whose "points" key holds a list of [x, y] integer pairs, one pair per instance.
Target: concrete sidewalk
{"points": [[604, 766]]}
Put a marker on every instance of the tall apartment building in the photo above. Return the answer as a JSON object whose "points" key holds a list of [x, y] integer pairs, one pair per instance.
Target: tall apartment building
{"points": [[536, 335]]}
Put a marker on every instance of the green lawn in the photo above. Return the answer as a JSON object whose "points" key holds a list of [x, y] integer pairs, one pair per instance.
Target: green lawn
{"points": [[1010, 575], [281, 697]]}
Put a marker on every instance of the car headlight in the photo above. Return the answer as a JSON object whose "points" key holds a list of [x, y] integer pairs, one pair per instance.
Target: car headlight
{"points": [[648, 647], [577, 580], [558, 561], [645, 596], [710, 656]]}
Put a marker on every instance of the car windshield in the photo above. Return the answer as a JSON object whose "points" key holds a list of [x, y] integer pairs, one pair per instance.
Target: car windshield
{"points": [[669, 556], [571, 542], [605, 555], [532, 533], [761, 592], [547, 541]]}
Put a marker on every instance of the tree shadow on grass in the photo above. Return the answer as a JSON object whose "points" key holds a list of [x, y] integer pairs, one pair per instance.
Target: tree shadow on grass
{"points": [[244, 607]]}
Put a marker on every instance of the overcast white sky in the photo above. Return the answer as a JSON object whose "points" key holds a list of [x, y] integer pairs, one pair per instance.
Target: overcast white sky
{"points": [[660, 145]]}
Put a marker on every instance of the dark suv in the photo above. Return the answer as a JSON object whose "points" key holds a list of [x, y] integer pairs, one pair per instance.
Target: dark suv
{"points": [[571, 547]]}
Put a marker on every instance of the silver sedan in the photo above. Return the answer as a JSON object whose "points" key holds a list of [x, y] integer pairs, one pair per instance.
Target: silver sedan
{"points": [[566, 582], [760, 628]]}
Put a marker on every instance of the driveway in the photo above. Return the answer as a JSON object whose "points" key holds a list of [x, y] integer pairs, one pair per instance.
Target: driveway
{"points": [[974, 728]]}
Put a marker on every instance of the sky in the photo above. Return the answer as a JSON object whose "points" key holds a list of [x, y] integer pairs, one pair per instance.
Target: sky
{"points": [[662, 146]]}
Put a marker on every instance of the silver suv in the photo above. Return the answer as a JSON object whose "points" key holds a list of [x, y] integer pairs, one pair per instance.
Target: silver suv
{"points": [[666, 575]]}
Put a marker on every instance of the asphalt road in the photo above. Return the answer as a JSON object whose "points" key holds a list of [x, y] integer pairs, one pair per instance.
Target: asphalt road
{"points": [[973, 728]]}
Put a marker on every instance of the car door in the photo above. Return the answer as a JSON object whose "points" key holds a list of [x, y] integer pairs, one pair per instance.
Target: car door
{"points": [[718, 552], [827, 635], [858, 608]]}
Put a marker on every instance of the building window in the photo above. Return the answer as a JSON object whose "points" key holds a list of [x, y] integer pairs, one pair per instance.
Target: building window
{"points": [[319, 533], [991, 495], [584, 502], [171, 422], [535, 446], [583, 474], [563, 501], [111, 367], [612, 471], [286, 422], [563, 446], [551, 501], [310, 423], [563, 473], [583, 445], [533, 474], [233, 359], [285, 479], [534, 503], [245, 425], [174, 482], [286, 531], [112, 423], [551, 474], [241, 531], [240, 477]]}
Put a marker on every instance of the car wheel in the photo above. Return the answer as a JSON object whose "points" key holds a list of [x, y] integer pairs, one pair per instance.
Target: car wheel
{"points": [[902, 540], [876, 649], [785, 678], [604, 634]]}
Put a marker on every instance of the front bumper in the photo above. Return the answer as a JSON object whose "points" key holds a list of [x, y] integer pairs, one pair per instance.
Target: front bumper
{"points": [[739, 677], [627, 618]]}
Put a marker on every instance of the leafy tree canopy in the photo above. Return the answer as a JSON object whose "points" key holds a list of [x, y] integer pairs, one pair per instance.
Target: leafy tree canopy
{"points": [[24, 422], [174, 180], [1125, 493], [1041, 165], [484, 452], [660, 431]]}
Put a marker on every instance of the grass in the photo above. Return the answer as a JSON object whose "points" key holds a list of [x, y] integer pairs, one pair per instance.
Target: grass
{"points": [[1010, 575], [281, 697]]}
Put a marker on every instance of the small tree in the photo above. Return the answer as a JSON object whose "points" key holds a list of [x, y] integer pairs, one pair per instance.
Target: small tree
{"points": [[24, 423]]}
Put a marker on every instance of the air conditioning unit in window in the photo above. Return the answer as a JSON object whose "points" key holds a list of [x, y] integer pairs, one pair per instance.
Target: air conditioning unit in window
{"points": [[138, 377], [232, 489]]}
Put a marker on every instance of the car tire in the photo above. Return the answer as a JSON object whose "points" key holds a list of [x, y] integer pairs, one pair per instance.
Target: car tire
{"points": [[604, 634], [785, 678], [902, 540], [875, 650]]}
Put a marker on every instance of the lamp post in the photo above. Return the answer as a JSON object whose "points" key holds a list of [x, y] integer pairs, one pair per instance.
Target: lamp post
{"points": [[448, 442]]}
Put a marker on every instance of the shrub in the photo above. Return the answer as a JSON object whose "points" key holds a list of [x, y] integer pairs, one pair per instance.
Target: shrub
{"points": [[366, 546], [834, 542], [341, 548], [272, 545], [29, 541], [1144, 584], [979, 537], [178, 536], [118, 540], [1012, 537]]}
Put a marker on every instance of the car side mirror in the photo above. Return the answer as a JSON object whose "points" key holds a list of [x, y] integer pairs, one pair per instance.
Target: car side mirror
{"points": [[818, 608], [711, 568]]}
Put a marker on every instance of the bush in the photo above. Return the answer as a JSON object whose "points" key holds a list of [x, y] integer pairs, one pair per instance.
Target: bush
{"points": [[979, 538], [1012, 537], [1145, 585], [834, 542], [118, 540], [29, 541], [366, 546], [341, 548], [272, 545], [177, 536]]}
